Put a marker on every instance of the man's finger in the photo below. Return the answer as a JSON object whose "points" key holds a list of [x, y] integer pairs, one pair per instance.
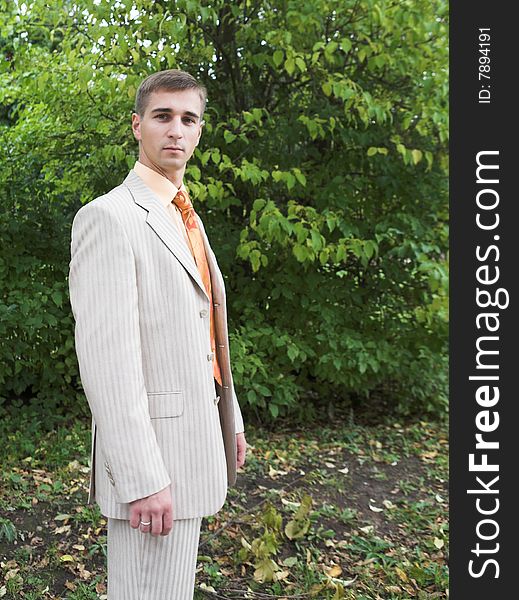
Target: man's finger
{"points": [[134, 518], [156, 524], [145, 522], [167, 522]]}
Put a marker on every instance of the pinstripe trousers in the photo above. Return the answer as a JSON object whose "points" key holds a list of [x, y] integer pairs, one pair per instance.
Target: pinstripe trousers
{"points": [[146, 567]]}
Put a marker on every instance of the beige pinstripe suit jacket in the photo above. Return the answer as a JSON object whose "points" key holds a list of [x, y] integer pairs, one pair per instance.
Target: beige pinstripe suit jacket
{"points": [[143, 346]]}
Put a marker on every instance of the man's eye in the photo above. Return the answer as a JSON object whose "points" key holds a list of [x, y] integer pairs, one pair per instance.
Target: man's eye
{"points": [[189, 120]]}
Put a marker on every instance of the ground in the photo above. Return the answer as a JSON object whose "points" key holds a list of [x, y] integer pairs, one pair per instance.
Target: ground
{"points": [[354, 511]]}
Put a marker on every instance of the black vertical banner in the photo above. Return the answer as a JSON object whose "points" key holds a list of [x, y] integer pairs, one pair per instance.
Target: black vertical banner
{"points": [[484, 169]]}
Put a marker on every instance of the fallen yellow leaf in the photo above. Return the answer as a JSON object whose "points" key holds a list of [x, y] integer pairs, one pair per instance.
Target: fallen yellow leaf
{"points": [[334, 571], [67, 558]]}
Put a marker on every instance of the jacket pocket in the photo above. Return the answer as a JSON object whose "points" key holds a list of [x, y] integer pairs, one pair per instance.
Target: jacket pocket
{"points": [[164, 405]]}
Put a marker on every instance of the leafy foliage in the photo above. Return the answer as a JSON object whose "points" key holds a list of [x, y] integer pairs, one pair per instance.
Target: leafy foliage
{"points": [[264, 547], [321, 178], [7, 530], [298, 527]]}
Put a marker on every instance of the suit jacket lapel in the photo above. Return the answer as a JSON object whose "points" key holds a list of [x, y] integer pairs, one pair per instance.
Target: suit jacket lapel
{"points": [[159, 220], [217, 284]]}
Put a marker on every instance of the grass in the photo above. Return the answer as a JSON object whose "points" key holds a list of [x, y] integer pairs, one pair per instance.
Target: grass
{"points": [[355, 511]]}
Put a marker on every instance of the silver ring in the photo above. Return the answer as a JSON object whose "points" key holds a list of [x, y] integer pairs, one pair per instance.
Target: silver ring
{"points": [[145, 524]]}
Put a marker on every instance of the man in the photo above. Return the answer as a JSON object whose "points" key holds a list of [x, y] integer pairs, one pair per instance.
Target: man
{"points": [[152, 344]]}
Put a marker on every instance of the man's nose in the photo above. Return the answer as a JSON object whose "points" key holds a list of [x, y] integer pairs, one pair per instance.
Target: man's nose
{"points": [[175, 129]]}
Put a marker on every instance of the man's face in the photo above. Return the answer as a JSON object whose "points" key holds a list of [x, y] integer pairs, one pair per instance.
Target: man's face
{"points": [[169, 131]]}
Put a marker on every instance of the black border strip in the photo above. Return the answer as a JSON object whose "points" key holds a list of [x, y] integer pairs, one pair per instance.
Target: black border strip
{"points": [[483, 256]]}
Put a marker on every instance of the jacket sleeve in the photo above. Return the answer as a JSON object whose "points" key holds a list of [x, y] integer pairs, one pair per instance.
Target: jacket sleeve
{"points": [[104, 300]]}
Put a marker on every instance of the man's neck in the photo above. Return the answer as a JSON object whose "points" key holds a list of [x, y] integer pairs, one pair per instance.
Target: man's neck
{"points": [[176, 177]]}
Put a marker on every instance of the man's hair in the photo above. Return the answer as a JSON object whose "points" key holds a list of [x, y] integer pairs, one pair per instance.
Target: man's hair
{"points": [[170, 80]]}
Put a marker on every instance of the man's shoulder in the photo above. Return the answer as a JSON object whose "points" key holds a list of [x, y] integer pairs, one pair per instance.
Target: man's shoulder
{"points": [[116, 198], [116, 201]]}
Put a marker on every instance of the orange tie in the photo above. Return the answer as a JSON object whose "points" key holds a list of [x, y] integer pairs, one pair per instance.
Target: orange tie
{"points": [[197, 249]]}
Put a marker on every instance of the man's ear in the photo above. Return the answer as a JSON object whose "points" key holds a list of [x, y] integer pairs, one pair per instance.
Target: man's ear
{"points": [[136, 126], [202, 123]]}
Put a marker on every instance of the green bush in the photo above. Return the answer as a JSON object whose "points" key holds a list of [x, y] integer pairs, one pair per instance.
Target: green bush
{"points": [[36, 325], [321, 178]]}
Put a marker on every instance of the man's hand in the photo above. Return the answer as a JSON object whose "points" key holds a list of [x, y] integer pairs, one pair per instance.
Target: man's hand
{"points": [[155, 510], [241, 447]]}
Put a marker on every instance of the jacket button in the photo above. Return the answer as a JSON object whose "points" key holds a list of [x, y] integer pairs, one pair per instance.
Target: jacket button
{"points": [[216, 304], [203, 313]]}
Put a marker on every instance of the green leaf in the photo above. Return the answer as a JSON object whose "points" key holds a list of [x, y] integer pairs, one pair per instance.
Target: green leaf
{"points": [[368, 250], [341, 253], [293, 352], [301, 65], [300, 177], [331, 48], [263, 390], [228, 136], [254, 258], [346, 44], [277, 57], [300, 252], [265, 570], [289, 65], [297, 528], [7, 530], [291, 181], [258, 204], [327, 88], [84, 76], [323, 256], [317, 243], [57, 296], [305, 507], [194, 172]]}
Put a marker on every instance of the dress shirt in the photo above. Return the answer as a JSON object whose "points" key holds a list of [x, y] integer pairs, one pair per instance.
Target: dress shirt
{"points": [[165, 190]]}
